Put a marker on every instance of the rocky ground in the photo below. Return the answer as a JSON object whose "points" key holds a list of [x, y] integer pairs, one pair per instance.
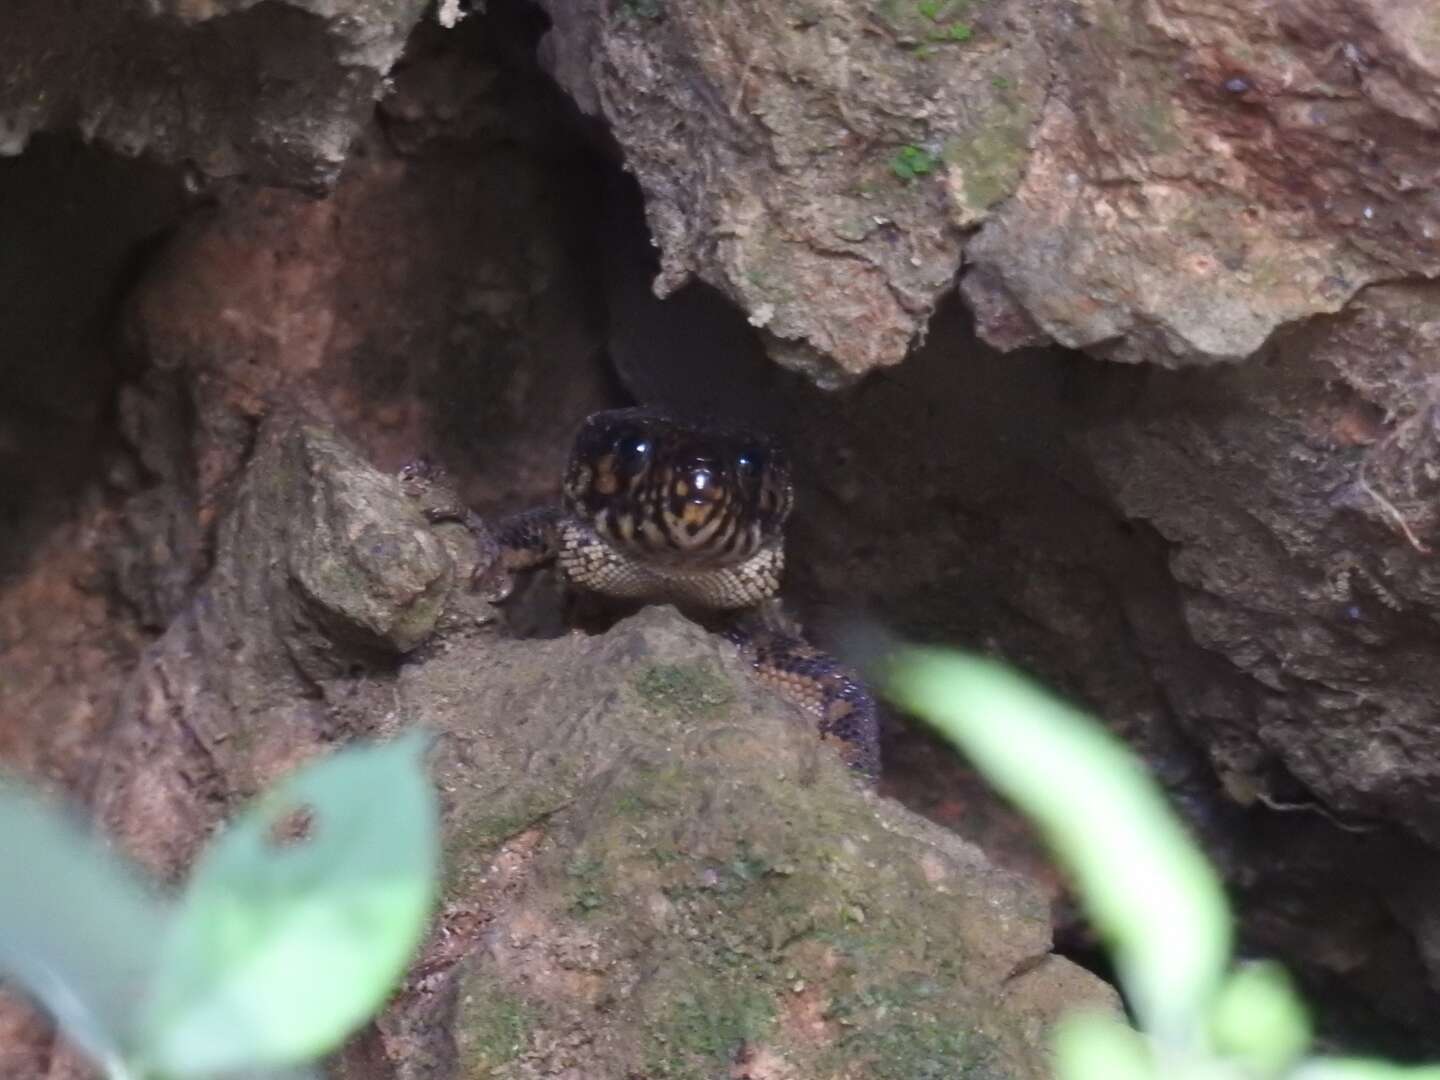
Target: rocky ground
{"points": [[1214, 525], [652, 868]]}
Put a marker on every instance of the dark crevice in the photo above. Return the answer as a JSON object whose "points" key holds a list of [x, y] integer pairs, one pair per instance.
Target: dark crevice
{"points": [[79, 224]]}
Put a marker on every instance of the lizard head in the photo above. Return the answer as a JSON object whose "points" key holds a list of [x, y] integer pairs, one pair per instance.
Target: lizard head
{"points": [[678, 493]]}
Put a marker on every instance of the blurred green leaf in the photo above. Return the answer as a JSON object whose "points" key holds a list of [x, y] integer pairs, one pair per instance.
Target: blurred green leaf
{"points": [[1259, 1020], [1145, 884], [1091, 1046], [282, 947], [79, 929], [1358, 1069]]}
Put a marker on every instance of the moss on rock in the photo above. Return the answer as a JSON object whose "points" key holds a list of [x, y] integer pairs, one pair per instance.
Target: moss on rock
{"points": [[714, 887]]}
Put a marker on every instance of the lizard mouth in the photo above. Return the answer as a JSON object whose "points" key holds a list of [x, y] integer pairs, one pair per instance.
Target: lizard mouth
{"points": [[678, 494]]}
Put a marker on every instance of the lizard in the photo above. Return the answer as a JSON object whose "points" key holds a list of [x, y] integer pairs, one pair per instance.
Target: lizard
{"points": [[655, 509]]}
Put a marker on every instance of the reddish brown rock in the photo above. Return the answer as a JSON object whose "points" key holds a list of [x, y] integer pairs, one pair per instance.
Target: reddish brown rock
{"points": [[1205, 174]]}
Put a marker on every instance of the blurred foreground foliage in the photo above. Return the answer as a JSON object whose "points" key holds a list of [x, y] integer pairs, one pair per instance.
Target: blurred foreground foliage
{"points": [[295, 925], [1148, 889]]}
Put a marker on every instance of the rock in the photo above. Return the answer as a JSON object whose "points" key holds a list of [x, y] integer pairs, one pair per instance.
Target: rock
{"points": [[1229, 564], [154, 327], [24, 1035], [1295, 500], [1203, 177], [815, 162], [1160, 547], [274, 91], [356, 568], [463, 341], [675, 875], [651, 861], [1300, 503], [1164, 185], [322, 567]]}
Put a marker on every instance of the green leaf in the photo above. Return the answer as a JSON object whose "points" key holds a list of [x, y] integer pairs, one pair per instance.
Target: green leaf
{"points": [[1259, 1020], [1092, 1046], [1145, 884], [281, 949], [78, 927], [1358, 1069]]}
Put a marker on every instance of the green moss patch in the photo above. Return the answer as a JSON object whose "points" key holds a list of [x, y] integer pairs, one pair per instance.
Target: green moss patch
{"points": [[472, 840], [992, 160], [492, 1029], [704, 1026], [905, 1031], [684, 688], [912, 162]]}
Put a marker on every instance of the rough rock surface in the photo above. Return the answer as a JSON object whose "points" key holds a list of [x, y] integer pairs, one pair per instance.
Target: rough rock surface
{"points": [[652, 863], [1206, 173], [405, 308], [1300, 503], [72, 223], [1159, 181], [146, 335], [320, 565], [1297, 495], [274, 90], [813, 161], [1154, 181]]}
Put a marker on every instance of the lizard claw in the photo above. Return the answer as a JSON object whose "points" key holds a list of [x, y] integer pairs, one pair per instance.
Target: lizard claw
{"points": [[419, 476], [494, 583]]}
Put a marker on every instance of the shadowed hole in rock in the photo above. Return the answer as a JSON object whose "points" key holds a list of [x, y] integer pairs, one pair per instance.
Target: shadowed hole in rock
{"points": [[79, 224]]}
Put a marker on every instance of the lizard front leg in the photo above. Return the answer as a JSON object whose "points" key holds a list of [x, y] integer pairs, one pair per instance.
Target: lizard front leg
{"points": [[521, 541], [843, 708]]}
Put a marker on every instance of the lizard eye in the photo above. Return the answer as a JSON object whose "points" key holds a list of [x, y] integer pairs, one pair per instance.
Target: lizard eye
{"points": [[633, 452], [751, 461]]}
